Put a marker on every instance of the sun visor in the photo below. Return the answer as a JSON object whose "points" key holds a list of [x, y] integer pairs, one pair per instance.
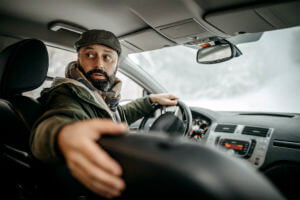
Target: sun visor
{"points": [[258, 19], [145, 40]]}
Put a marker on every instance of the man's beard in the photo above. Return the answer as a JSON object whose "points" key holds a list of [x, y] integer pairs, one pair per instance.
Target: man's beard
{"points": [[101, 84]]}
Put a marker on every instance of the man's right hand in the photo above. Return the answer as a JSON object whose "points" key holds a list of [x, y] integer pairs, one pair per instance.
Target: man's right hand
{"points": [[87, 161]]}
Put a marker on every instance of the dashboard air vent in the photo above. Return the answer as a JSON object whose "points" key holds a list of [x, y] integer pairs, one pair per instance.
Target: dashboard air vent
{"points": [[256, 131], [225, 128]]}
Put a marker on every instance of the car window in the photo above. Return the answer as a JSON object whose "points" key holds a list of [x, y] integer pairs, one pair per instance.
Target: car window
{"points": [[130, 89], [60, 58]]}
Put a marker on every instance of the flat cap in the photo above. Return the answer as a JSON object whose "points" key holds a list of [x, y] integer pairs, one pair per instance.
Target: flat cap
{"points": [[102, 37]]}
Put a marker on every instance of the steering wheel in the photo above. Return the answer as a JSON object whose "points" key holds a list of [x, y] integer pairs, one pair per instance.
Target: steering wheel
{"points": [[178, 122]]}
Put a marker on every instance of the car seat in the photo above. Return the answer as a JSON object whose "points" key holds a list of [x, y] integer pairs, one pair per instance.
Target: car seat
{"points": [[23, 67]]}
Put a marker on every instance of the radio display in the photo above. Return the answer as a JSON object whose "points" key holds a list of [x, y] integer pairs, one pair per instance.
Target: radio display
{"points": [[240, 147], [234, 146]]}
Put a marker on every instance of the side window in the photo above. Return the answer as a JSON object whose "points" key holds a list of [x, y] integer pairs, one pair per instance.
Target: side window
{"points": [[130, 89], [36, 92], [58, 60]]}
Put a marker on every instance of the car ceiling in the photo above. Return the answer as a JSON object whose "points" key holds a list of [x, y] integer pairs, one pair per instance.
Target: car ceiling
{"points": [[145, 24]]}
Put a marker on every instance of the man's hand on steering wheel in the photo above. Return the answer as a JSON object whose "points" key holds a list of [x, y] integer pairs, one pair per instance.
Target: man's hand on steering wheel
{"points": [[164, 99], [169, 122]]}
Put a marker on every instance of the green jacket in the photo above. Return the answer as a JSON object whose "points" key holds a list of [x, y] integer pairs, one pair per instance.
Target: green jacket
{"points": [[68, 101]]}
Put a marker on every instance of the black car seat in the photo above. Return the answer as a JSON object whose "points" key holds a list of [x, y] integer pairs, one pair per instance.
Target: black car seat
{"points": [[23, 67]]}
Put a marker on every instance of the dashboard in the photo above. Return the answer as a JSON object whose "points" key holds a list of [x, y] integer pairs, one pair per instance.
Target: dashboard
{"points": [[269, 142], [247, 142], [251, 136]]}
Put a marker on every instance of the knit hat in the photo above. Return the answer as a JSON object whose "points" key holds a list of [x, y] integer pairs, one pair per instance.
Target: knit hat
{"points": [[102, 37]]}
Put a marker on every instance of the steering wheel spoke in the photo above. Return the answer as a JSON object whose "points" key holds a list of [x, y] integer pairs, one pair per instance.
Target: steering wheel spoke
{"points": [[163, 110], [177, 112]]}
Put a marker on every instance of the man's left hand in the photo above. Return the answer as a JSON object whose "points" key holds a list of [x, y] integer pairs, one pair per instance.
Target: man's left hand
{"points": [[164, 99]]}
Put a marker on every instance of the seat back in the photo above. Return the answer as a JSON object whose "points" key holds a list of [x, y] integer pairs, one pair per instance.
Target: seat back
{"points": [[23, 67]]}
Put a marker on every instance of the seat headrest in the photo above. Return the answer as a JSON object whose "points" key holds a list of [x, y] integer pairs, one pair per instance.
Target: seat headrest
{"points": [[23, 67]]}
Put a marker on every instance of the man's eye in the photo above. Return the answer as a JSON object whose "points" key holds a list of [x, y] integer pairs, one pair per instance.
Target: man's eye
{"points": [[108, 58], [89, 55]]}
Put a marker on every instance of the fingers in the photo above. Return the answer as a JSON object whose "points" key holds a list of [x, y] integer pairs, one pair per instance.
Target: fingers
{"points": [[87, 161], [169, 102], [102, 159], [167, 99], [95, 153], [172, 97], [87, 178], [97, 174]]}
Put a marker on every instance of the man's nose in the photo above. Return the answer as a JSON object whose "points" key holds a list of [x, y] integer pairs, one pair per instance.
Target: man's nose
{"points": [[100, 64]]}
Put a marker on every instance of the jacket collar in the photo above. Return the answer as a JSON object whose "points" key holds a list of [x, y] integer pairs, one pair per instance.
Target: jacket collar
{"points": [[83, 92]]}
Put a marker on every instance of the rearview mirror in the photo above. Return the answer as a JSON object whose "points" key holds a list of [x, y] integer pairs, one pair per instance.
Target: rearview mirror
{"points": [[216, 52]]}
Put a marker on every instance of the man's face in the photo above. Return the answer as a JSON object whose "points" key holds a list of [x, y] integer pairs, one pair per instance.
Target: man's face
{"points": [[100, 64]]}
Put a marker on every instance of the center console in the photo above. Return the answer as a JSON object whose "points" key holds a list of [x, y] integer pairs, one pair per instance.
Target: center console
{"points": [[248, 142]]}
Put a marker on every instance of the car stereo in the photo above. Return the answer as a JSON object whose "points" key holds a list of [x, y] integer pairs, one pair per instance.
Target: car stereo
{"points": [[247, 142]]}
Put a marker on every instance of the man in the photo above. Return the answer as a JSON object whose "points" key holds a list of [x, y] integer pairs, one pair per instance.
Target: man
{"points": [[71, 125]]}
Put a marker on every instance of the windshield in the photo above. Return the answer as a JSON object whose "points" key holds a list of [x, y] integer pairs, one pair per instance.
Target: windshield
{"points": [[265, 78]]}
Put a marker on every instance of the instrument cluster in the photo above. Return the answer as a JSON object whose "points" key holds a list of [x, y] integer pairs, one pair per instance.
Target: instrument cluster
{"points": [[200, 125]]}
